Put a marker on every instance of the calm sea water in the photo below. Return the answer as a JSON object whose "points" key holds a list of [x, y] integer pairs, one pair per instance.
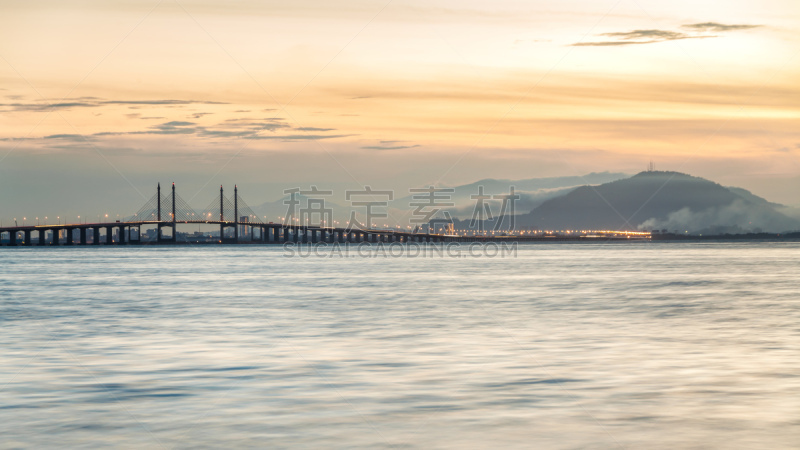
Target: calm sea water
{"points": [[563, 346]]}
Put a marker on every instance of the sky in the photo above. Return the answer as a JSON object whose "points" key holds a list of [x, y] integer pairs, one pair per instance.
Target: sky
{"points": [[100, 100]]}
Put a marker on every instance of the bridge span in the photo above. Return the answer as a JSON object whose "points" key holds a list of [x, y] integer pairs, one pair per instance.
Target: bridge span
{"points": [[169, 211]]}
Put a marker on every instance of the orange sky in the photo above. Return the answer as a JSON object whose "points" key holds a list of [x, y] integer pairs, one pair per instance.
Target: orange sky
{"points": [[399, 92]]}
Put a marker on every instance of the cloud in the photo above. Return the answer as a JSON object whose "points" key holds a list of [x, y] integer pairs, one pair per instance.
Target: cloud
{"points": [[393, 147], [663, 35], [173, 127], [314, 129], [655, 36], [68, 137], [255, 125], [718, 27], [247, 130], [93, 102], [46, 106], [637, 37], [300, 137], [159, 102]]}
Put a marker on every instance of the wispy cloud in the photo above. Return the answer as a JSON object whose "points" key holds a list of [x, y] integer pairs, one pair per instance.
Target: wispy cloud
{"points": [[91, 102], [246, 130], [299, 137], [718, 27], [314, 129], [389, 147], [159, 102], [637, 37], [654, 36], [69, 137]]}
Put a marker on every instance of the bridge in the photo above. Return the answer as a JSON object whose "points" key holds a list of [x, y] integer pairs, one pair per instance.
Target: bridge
{"points": [[169, 211]]}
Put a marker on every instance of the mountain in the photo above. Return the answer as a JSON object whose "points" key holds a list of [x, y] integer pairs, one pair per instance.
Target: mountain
{"points": [[747, 195], [659, 200]]}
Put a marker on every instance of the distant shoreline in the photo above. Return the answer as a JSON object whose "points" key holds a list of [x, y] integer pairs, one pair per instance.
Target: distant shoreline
{"points": [[661, 238]]}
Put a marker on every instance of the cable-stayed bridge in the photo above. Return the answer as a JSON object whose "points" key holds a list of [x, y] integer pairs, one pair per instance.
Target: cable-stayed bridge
{"points": [[237, 224], [236, 220]]}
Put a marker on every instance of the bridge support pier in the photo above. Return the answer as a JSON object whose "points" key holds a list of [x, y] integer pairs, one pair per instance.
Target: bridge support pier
{"points": [[27, 238], [131, 240], [56, 235], [96, 236], [83, 236], [69, 236]]}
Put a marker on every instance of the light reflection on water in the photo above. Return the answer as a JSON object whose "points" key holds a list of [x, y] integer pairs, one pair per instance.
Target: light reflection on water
{"points": [[564, 346]]}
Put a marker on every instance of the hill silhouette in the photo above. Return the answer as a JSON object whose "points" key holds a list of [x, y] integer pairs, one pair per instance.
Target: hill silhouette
{"points": [[659, 200]]}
